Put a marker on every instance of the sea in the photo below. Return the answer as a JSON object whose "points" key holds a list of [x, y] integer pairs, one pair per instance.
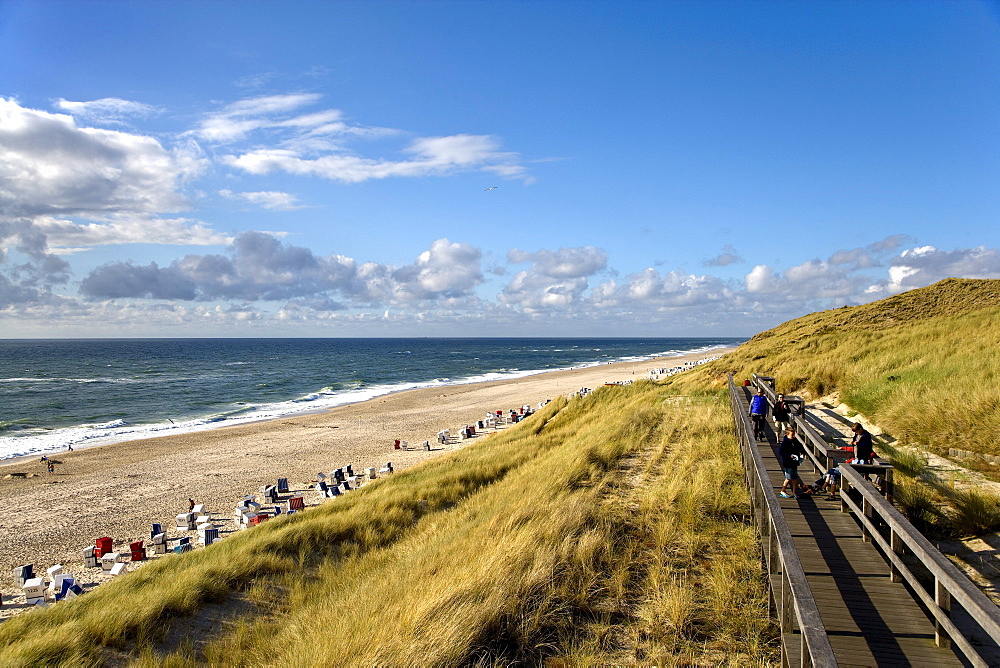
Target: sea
{"points": [[60, 393]]}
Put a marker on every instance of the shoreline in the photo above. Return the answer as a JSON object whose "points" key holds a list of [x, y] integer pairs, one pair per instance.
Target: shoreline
{"points": [[204, 424], [120, 489]]}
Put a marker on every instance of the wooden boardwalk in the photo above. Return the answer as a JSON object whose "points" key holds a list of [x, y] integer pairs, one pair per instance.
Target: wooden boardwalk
{"points": [[870, 620]]}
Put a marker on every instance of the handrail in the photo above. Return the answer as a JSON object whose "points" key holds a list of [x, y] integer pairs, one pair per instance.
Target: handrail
{"points": [[875, 513], [820, 454], [814, 644], [950, 584]]}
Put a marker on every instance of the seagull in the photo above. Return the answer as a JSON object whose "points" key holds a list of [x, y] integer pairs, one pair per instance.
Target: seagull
{"points": [[490, 188]]}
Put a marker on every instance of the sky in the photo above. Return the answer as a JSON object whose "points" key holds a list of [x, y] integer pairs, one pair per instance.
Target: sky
{"points": [[619, 168]]}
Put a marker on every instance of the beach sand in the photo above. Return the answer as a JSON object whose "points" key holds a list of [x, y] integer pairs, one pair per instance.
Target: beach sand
{"points": [[120, 490]]}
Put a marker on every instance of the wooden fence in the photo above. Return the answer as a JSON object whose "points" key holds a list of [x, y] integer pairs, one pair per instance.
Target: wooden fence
{"points": [[933, 580], [803, 637]]}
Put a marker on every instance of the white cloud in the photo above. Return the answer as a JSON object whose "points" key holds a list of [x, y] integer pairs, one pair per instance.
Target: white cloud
{"points": [[107, 110], [62, 234], [237, 120], [267, 199], [557, 280], [433, 156], [260, 267], [50, 166], [917, 267]]}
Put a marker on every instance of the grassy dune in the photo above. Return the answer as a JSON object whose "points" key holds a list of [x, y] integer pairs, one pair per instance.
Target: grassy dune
{"points": [[923, 365], [610, 529]]}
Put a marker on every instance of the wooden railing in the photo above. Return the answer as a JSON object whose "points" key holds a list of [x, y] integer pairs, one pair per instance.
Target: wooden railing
{"points": [[803, 635], [933, 580]]}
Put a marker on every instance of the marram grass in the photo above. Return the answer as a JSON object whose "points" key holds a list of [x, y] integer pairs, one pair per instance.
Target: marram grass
{"points": [[923, 365], [606, 530]]}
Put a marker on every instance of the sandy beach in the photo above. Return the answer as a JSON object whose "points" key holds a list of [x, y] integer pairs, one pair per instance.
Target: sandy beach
{"points": [[119, 490]]}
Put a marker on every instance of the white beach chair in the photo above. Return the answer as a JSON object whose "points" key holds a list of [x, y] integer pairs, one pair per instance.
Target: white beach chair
{"points": [[34, 590], [109, 560]]}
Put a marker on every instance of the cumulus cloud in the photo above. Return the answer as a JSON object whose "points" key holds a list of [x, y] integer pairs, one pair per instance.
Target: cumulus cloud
{"points": [[917, 267], [51, 166], [556, 279], [260, 267], [267, 199]]}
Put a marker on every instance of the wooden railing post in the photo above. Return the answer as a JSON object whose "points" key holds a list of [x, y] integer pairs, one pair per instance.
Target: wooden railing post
{"points": [[896, 545], [943, 600], [866, 510]]}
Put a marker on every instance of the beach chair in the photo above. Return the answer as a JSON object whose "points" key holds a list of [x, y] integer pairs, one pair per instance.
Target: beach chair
{"points": [[118, 568], [405, 445], [103, 546], [34, 590], [396, 444], [90, 557], [109, 560], [349, 469], [160, 543], [203, 529], [427, 445], [387, 468], [282, 485], [296, 503], [186, 522], [24, 573], [157, 528], [210, 536], [333, 492], [199, 509], [63, 586]]}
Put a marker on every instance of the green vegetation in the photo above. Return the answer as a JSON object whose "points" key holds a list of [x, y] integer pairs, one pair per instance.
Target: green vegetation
{"points": [[605, 530]]}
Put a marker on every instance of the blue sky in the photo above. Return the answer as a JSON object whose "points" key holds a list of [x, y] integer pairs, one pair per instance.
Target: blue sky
{"points": [[323, 168]]}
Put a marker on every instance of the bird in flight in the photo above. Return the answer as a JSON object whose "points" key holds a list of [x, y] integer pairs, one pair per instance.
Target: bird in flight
{"points": [[490, 188]]}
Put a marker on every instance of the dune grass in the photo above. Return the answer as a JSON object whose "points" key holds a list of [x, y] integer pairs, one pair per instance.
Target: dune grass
{"points": [[604, 530], [923, 365]]}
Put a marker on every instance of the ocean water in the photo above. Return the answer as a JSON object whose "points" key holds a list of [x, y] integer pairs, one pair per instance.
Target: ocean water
{"points": [[57, 393]]}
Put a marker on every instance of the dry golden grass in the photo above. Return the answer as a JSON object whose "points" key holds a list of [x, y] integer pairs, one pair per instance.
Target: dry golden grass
{"points": [[610, 529]]}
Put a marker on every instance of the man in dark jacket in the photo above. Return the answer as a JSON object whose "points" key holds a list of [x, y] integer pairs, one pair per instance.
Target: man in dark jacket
{"points": [[791, 454], [781, 415], [862, 442]]}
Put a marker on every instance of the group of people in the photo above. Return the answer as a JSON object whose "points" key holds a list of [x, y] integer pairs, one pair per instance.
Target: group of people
{"points": [[791, 452]]}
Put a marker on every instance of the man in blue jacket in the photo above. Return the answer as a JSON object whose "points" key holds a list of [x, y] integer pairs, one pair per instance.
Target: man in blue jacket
{"points": [[758, 411]]}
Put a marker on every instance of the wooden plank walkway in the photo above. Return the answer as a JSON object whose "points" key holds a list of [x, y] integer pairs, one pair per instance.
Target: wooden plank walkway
{"points": [[870, 620]]}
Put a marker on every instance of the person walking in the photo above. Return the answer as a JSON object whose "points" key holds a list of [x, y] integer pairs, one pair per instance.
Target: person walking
{"points": [[790, 454], [782, 415], [758, 411]]}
